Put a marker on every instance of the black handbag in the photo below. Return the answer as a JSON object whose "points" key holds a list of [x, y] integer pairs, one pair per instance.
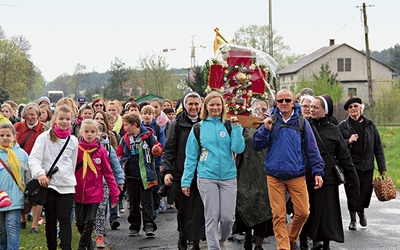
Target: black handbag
{"points": [[338, 170], [36, 194]]}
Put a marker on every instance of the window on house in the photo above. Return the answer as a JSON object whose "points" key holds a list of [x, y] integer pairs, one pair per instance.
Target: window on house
{"points": [[352, 92], [344, 64]]}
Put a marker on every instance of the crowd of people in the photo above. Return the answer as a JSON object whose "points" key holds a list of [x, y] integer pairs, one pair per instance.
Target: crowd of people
{"points": [[222, 179]]}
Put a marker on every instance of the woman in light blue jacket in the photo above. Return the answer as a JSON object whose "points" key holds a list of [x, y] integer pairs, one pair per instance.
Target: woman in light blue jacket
{"points": [[15, 160], [213, 157]]}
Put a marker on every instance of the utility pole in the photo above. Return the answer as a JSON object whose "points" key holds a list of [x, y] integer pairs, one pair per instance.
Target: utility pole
{"points": [[193, 55], [368, 58], [270, 41]]}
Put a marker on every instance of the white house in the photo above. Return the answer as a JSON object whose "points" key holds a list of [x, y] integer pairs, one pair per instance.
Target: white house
{"points": [[350, 65]]}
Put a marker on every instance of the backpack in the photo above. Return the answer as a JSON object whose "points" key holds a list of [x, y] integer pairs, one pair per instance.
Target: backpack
{"points": [[300, 127], [196, 130]]}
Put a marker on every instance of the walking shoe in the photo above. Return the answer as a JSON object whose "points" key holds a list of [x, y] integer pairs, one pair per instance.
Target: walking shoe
{"points": [[353, 225], [363, 218], [34, 230], [149, 232], [100, 241], [133, 233], [40, 221], [22, 225], [196, 245], [114, 225], [182, 243]]}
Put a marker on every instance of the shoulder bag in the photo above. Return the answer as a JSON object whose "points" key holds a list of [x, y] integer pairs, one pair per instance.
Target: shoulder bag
{"points": [[338, 170], [34, 192]]}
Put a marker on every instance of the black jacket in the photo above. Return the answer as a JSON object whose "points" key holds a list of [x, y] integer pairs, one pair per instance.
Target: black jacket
{"points": [[173, 158], [372, 145]]}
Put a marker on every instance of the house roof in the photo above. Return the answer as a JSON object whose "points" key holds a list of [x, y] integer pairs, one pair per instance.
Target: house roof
{"points": [[295, 67]]}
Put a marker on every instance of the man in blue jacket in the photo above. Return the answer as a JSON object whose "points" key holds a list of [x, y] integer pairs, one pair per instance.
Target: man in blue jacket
{"points": [[289, 148]]}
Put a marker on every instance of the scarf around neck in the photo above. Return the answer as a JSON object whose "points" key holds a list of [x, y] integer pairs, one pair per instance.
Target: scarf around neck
{"points": [[14, 165], [61, 133], [87, 160]]}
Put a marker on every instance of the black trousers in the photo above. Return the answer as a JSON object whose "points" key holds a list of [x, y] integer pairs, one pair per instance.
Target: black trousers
{"points": [[138, 195], [85, 215], [58, 207]]}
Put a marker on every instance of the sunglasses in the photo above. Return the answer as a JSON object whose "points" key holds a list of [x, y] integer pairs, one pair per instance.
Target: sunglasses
{"points": [[284, 100], [98, 105], [354, 106]]}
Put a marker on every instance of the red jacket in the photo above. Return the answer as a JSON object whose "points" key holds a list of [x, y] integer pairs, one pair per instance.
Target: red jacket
{"points": [[23, 131], [90, 190]]}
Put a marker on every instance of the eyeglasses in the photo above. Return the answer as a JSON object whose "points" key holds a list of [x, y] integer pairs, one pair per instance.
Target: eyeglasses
{"points": [[99, 105], [353, 106], [305, 107], [284, 100]]}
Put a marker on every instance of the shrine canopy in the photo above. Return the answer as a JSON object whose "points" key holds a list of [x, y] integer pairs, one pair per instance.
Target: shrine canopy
{"points": [[241, 74]]}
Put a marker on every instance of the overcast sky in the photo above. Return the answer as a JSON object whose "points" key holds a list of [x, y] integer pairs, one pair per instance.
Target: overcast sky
{"points": [[64, 33]]}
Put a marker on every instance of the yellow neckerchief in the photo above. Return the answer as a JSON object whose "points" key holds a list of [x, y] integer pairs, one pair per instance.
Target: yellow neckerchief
{"points": [[14, 165], [87, 160]]}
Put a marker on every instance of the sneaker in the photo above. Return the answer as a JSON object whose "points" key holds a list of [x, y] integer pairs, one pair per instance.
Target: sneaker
{"points": [[100, 242], [133, 233], [353, 225], [149, 232], [34, 230], [40, 222], [122, 210], [115, 225]]}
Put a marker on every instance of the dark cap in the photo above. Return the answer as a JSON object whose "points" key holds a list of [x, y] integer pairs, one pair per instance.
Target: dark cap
{"points": [[82, 100], [350, 101]]}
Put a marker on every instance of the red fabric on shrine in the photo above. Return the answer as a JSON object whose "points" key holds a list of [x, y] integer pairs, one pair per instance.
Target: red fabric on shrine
{"points": [[216, 80], [241, 58]]}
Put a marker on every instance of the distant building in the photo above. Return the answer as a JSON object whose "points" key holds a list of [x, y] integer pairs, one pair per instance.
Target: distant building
{"points": [[350, 65]]}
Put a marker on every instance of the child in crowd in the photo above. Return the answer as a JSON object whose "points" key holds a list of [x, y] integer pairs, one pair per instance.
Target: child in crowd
{"points": [[119, 178], [45, 115], [136, 152], [14, 173], [86, 112], [170, 112], [160, 116], [60, 195], [92, 165], [148, 117]]}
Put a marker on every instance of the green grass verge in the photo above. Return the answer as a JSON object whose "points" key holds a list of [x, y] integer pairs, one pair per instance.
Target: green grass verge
{"points": [[391, 145], [30, 241]]}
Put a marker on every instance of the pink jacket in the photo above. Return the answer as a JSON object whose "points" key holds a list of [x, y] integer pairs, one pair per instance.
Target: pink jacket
{"points": [[90, 190]]}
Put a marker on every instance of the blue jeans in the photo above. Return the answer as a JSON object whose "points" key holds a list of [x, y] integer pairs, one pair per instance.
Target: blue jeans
{"points": [[9, 230]]}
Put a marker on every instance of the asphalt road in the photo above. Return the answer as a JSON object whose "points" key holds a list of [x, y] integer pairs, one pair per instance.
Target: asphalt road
{"points": [[382, 232]]}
